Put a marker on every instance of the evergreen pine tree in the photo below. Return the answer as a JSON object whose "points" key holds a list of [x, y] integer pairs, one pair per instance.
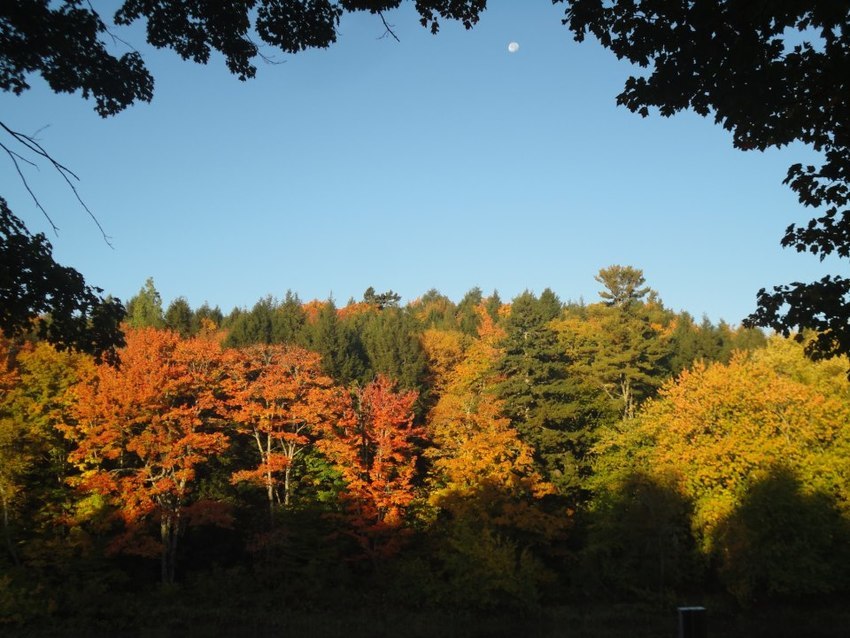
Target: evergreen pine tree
{"points": [[179, 316], [338, 344], [254, 326], [467, 316], [289, 321], [550, 305], [619, 347], [391, 344], [540, 399], [493, 305], [145, 309]]}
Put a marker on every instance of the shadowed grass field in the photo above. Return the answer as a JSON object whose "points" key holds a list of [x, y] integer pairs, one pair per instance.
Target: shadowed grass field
{"points": [[168, 615]]}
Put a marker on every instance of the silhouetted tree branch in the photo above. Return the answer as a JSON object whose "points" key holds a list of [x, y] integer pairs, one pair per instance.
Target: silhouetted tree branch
{"points": [[388, 27], [31, 144], [771, 74]]}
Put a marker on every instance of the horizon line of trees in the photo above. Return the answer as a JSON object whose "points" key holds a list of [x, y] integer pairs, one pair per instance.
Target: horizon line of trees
{"points": [[476, 455]]}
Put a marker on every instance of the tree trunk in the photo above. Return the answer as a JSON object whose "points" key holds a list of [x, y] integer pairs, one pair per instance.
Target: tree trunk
{"points": [[628, 399], [168, 534], [286, 474], [267, 455], [7, 533]]}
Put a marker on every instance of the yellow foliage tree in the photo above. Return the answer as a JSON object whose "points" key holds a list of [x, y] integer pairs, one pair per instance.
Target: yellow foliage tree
{"points": [[34, 400], [443, 351], [485, 490], [719, 429]]}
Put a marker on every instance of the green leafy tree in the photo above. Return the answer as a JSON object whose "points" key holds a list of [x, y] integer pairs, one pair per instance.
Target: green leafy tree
{"points": [[550, 305], [145, 309], [382, 300], [232, 317], [289, 321], [255, 326], [179, 317], [467, 316], [638, 541], [338, 344], [623, 285], [391, 342], [689, 342], [618, 346], [540, 398]]}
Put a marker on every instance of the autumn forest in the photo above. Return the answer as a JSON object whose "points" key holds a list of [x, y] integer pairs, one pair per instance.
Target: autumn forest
{"points": [[484, 454]]}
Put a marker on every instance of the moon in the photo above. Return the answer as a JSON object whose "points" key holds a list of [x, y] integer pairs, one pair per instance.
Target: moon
{"points": [[513, 47]]}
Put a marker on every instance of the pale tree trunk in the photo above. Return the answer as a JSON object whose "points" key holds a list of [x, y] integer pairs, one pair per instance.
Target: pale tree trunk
{"points": [[628, 399], [269, 477], [290, 450], [286, 486], [265, 454]]}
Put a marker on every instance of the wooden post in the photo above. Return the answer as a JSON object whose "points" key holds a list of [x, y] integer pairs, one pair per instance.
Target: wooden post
{"points": [[692, 622]]}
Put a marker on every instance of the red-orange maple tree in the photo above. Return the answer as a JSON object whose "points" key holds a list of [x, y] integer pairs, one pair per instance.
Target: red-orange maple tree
{"points": [[375, 451], [142, 432], [281, 398]]}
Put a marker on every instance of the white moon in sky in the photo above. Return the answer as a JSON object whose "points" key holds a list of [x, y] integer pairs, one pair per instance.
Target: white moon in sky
{"points": [[513, 47]]}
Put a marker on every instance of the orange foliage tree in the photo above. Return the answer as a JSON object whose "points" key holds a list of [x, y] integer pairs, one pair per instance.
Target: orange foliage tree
{"points": [[281, 398], [375, 451], [142, 432]]}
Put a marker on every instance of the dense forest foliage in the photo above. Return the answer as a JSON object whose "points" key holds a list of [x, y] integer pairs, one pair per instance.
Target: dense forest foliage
{"points": [[472, 455]]}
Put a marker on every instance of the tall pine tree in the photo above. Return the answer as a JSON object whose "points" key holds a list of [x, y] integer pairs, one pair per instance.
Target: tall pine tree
{"points": [[540, 399], [145, 309]]}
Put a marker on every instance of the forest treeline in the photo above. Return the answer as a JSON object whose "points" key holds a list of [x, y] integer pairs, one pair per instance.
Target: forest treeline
{"points": [[476, 455]]}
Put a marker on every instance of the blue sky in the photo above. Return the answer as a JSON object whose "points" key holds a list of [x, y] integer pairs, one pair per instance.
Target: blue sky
{"points": [[438, 162]]}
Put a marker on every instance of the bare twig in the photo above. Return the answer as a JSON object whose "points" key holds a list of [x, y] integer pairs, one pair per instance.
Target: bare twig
{"points": [[388, 27], [20, 157], [39, 130], [34, 146], [259, 51], [114, 37], [15, 157]]}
